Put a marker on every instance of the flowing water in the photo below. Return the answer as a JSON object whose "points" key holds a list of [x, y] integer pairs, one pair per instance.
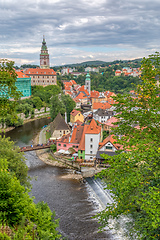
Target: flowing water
{"points": [[74, 203]]}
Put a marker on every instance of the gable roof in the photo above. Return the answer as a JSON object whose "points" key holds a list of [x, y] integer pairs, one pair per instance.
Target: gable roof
{"points": [[111, 140], [59, 124], [81, 95], [82, 89], [93, 128], [64, 138], [75, 112], [21, 74], [77, 134], [82, 141]]}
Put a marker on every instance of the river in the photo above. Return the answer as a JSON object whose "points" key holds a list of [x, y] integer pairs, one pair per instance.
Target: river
{"points": [[74, 203]]}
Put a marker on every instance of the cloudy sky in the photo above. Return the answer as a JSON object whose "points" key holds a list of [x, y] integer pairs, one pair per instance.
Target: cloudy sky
{"points": [[79, 30]]}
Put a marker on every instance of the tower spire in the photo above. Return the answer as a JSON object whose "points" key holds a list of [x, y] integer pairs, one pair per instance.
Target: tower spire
{"points": [[44, 56]]}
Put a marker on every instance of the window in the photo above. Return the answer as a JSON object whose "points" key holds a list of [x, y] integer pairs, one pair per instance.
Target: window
{"points": [[90, 152], [59, 144], [91, 146], [90, 157], [108, 147], [91, 139], [81, 151], [64, 145]]}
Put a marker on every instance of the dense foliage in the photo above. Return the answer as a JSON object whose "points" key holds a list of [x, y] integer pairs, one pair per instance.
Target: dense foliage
{"points": [[24, 219], [134, 175], [8, 90], [108, 81]]}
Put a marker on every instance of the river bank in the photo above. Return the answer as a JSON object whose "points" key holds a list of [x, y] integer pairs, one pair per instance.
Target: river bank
{"points": [[4, 130], [46, 157]]}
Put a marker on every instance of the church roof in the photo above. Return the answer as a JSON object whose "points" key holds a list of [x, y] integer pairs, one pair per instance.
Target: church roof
{"points": [[58, 124]]}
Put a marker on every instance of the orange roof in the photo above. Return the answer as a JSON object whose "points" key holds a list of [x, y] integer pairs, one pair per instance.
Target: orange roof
{"points": [[111, 140], [101, 105], [82, 142], [67, 87], [67, 84], [75, 112], [81, 96], [93, 128], [21, 74], [40, 71], [77, 134], [94, 94], [82, 89], [64, 138], [73, 82]]}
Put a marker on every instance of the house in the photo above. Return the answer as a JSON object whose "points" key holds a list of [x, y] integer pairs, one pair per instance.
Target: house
{"points": [[59, 127], [102, 115], [108, 146], [92, 139], [71, 140], [76, 115]]}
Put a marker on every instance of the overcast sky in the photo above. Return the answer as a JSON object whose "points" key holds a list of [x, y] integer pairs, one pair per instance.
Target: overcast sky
{"points": [[79, 30]]}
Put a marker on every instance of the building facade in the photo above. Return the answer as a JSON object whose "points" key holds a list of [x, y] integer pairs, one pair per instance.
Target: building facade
{"points": [[42, 77]]}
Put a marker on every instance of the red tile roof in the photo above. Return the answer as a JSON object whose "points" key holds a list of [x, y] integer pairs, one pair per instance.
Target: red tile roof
{"points": [[111, 140], [82, 142], [64, 138], [40, 71], [93, 128], [75, 112], [81, 96], [77, 134], [21, 74], [94, 94], [82, 89], [73, 82], [101, 105]]}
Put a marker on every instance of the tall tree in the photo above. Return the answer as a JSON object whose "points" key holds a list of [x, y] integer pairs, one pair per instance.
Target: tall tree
{"points": [[69, 105], [134, 175]]}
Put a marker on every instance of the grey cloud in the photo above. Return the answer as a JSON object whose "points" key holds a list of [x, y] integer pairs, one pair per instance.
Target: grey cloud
{"points": [[69, 23]]}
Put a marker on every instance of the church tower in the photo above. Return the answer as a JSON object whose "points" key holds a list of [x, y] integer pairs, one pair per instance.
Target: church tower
{"points": [[88, 82], [44, 56]]}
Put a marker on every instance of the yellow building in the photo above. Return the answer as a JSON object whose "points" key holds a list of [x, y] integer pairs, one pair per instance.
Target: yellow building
{"points": [[76, 115]]}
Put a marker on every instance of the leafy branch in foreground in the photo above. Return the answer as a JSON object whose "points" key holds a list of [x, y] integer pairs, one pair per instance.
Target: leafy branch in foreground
{"points": [[134, 175]]}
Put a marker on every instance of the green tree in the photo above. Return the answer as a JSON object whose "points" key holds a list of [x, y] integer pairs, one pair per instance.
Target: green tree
{"points": [[15, 160], [69, 105], [57, 106], [18, 211], [37, 102], [134, 175], [8, 89]]}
